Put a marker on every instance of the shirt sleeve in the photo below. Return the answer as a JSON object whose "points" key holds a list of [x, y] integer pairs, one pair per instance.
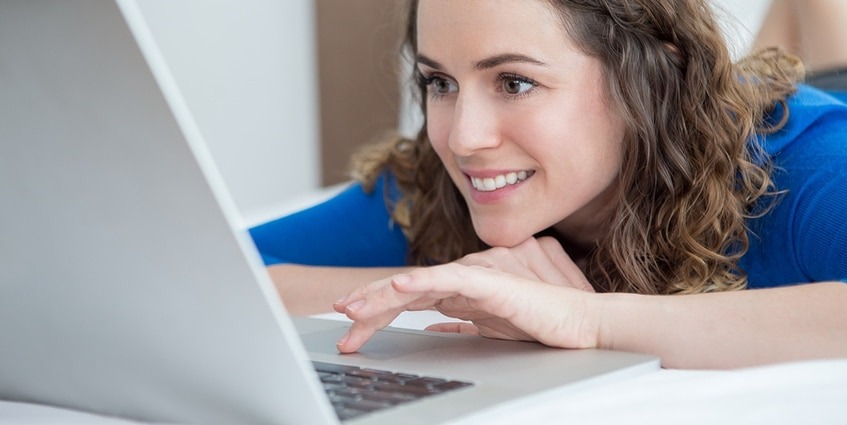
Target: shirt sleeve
{"points": [[820, 227], [819, 220], [352, 229], [803, 237]]}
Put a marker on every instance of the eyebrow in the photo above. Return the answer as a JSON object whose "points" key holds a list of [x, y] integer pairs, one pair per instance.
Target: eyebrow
{"points": [[486, 63]]}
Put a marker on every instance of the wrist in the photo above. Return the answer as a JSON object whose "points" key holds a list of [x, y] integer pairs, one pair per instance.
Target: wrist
{"points": [[589, 314], [610, 311], [595, 321], [633, 322]]}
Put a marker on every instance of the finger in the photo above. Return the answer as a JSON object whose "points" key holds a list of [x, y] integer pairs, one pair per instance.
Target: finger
{"points": [[533, 258], [374, 310], [359, 293], [541, 262], [477, 259], [378, 296], [556, 254], [454, 327], [508, 260], [513, 260], [362, 330], [484, 288], [461, 308], [355, 338], [501, 329]]}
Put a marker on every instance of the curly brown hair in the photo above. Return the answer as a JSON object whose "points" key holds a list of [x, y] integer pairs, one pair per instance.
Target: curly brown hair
{"points": [[694, 172]]}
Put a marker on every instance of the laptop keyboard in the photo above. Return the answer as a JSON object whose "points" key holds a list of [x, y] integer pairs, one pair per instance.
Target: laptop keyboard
{"points": [[356, 391]]}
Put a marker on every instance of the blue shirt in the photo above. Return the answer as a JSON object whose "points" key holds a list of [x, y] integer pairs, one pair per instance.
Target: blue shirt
{"points": [[803, 238], [353, 229]]}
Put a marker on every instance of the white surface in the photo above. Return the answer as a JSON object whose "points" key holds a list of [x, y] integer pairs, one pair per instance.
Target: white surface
{"points": [[247, 71], [33, 414], [290, 205], [793, 393], [813, 392], [740, 21]]}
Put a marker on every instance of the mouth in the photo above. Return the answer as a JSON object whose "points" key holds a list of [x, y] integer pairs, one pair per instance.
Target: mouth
{"points": [[492, 183]]}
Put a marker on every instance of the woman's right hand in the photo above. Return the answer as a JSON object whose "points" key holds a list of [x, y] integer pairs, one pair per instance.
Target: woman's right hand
{"points": [[498, 305], [490, 297]]}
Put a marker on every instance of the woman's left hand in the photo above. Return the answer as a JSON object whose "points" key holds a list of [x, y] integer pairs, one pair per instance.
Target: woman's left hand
{"points": [[500, 305], [541, 259]]}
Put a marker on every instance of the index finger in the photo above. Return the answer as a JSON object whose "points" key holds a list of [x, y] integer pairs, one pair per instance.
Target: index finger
{"points": [[485, 288]]}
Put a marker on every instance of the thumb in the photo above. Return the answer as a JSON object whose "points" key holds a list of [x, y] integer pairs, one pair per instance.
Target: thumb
{"points": [[454, 327]]}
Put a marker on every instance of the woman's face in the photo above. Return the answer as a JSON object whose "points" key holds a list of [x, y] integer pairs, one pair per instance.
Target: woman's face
{"points": [[520, 118]]}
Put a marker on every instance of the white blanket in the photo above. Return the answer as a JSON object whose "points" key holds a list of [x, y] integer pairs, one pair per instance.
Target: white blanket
{"points": [[811, 392]]}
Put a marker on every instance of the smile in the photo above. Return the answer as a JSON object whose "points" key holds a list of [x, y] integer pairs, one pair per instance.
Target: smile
{"points": [[489, 184]]}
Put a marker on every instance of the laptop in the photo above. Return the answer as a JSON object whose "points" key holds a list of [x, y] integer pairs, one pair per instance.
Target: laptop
{"points": [[127, 288]]}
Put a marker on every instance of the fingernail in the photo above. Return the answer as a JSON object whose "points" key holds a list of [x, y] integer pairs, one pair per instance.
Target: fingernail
{"points": [[355, 305], [342, 299]]}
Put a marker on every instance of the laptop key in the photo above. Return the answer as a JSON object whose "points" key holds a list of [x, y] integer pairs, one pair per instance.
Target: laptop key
{"points": [[333, 368], [368, 405], [345, 413], [389, 397], [371, 373], [452, 385], [408, 389], [355, 391], [425, 382]]}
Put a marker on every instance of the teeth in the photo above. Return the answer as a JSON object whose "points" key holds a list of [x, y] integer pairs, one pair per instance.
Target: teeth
{"points": [[489, 184]]}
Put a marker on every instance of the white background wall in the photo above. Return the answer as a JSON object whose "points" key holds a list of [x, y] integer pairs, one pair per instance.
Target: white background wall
{"points": [[741, 19], [247, 70]]}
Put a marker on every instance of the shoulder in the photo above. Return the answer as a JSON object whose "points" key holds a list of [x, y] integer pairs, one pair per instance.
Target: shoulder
{"points": [[803, 238], [353, 228], [816, 119], [811, 149]]}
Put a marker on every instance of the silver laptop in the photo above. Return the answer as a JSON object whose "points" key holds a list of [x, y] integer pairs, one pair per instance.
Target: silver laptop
{"points": [[126, 288]]}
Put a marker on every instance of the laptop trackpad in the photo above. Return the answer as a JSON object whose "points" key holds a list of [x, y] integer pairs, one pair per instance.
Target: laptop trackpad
{"points": [[387, 344]]}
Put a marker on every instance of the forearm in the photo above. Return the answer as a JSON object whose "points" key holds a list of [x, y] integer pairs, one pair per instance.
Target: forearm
{"points": [[729, 329], [311, 290], [822, 33]]}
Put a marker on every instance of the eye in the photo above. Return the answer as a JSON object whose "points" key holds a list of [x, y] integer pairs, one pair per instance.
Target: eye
{"points": [[438, 86], [442, 86], [515, 85]]}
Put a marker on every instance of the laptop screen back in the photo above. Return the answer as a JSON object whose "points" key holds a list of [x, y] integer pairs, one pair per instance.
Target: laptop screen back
{"points": [[123, 288]]}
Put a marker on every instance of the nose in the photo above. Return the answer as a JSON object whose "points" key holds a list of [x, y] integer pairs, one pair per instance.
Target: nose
{"points": [[474, 126]]}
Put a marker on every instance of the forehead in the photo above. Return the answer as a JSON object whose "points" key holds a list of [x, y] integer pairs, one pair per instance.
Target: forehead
{"points": [[490, 26]]}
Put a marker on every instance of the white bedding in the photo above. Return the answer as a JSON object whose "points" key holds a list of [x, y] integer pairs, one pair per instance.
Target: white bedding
{"points": [[812, 392]]}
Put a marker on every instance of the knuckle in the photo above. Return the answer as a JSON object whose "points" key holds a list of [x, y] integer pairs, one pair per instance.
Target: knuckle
{"points": [[549, 243], [473, 259], [499, 251]]}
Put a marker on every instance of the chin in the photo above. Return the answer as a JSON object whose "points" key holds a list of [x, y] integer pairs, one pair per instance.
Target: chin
{"points": [[498, 238]]}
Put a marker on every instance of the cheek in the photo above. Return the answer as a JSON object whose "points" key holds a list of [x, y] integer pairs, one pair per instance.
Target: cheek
{"points": [[438, 124]]}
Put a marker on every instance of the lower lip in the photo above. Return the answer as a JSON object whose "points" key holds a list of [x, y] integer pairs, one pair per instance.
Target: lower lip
{"points": [[493, 196]]}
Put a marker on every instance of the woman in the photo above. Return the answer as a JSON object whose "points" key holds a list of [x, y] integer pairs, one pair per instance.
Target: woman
{"points": [[581, 161], [813, 30]]}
